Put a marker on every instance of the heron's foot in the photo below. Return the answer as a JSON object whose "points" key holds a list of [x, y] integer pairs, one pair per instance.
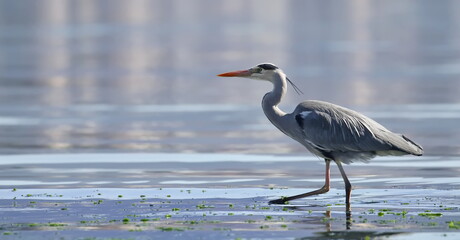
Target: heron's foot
{"points": [[283, 200]]}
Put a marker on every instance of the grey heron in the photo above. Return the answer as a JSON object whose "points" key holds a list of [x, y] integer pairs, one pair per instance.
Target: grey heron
{"points": [[329, 131]]}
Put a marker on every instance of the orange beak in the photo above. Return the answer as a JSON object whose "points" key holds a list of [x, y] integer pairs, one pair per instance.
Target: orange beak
{"points": [[241, 73]]}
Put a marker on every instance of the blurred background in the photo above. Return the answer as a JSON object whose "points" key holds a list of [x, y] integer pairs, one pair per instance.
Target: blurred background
{"points": [[140, 75]]}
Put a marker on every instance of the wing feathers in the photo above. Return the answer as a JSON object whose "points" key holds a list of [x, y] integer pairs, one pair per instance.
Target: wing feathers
{"points": [[331, 128]]}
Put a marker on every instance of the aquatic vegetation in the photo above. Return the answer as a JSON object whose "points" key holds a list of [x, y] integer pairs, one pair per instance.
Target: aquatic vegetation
{"points": [[136, 230], [389, 221], [454, 224], [57, 224], [168, 229], [202, 206], [430, 214]]}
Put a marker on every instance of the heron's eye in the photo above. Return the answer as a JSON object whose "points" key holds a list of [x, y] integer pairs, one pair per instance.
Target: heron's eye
{"points": [[257, 70]]}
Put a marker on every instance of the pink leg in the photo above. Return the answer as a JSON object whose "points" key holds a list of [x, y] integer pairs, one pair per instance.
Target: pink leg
{"points": [[324, 189]]}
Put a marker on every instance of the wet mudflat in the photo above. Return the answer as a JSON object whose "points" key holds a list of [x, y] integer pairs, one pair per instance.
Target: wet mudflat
{"points": [[114, 126], [223, 196]]}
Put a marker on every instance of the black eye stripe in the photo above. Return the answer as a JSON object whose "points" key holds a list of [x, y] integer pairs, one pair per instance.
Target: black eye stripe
{"points": [[267, 66]]}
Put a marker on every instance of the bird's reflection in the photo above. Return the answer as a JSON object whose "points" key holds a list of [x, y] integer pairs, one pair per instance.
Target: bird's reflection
{"points": [[348, 218], [328, 223], [328, 217]]}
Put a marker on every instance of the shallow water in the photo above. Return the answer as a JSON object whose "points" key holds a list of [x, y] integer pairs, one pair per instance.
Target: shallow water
{"points": [[106, 99], [134, 170]]}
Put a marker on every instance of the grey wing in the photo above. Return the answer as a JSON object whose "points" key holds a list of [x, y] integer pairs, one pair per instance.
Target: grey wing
{"points": [[335, 131], [339, 132]]}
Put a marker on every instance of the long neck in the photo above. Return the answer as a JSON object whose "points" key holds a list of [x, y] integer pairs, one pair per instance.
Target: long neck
{"points": [[272, 99]]}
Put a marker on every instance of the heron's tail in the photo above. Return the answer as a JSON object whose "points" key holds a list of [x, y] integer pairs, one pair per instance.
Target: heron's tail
{"points": [[400, 145], [416, 148]]}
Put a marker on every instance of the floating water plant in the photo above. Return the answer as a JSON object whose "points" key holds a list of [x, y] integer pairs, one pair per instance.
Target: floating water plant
{"points": [[430, 215], [201, 206], [57, 224], [168, 229], [454, 224]]}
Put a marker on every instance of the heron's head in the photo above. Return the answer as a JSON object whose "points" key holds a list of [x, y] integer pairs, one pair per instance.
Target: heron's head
{"points": [[264, 71]]}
